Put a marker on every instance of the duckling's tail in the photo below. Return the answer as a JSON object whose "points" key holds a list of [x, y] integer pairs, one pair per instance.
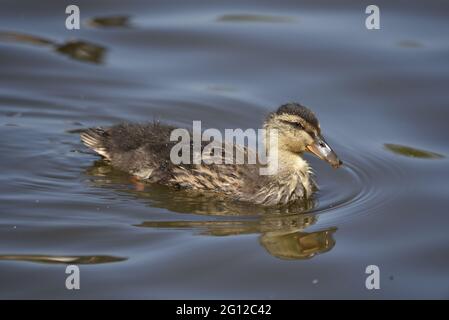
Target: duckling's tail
{"points": [[94, 138]]}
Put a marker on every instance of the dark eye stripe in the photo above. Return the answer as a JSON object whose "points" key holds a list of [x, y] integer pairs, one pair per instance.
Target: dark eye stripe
{"points": [[293, 124], [311, 133]]}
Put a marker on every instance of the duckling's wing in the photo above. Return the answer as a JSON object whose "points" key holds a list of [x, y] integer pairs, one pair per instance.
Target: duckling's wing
{"points": [[222, 174], [95, 139], [144, 151], [128, 145]]}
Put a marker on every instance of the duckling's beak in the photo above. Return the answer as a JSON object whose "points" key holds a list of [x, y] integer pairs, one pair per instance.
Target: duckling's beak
{"points": [[321, 149]]}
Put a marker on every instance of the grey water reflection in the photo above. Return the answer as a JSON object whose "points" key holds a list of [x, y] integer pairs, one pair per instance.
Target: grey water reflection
{"points": [[75, 49], [247, 17], [412, 152], [110, 22], [54, 259]]}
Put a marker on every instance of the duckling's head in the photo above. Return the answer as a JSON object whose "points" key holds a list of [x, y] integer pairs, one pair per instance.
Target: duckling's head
{"points": [[299, 131]]}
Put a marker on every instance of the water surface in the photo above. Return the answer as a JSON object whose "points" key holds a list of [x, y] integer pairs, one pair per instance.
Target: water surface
{"points": [[381, 97]]}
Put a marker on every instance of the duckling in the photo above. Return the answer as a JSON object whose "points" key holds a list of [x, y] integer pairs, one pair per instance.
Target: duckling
{"points": [[143, 150]]}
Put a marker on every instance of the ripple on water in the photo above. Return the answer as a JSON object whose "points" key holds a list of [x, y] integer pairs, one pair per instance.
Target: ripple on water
{"points": [[364, 183]]}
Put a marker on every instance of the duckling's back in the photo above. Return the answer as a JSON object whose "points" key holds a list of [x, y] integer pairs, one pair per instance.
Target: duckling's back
{"points": [[144, 151]]}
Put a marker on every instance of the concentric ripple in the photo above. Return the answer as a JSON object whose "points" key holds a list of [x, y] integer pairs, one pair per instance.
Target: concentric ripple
{"points": [[365, 182]]}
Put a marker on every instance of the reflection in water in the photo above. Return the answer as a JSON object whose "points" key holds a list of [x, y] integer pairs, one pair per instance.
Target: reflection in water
{"points": [[410, 44], [254, 18], [298, 245], [23, 38], [76, 49], [110, 21], [281, 229], [82, 51], [412, 152], [63, 259], [221, 88], [282, 236]]}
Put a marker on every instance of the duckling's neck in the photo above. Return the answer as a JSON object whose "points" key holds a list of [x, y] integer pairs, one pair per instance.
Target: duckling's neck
{"points": [[291, 167], [292, 162]]}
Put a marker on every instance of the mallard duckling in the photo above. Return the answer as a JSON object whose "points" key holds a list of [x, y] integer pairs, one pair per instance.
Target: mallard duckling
{"points": [[143, 150]]}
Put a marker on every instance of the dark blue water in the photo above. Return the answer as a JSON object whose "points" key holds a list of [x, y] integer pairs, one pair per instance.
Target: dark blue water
{"points": [[381, 97]]}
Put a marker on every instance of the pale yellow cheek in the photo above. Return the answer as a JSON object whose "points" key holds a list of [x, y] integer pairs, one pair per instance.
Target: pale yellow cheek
{"points": [[295, 139], [304, 138], [309, 141]]}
